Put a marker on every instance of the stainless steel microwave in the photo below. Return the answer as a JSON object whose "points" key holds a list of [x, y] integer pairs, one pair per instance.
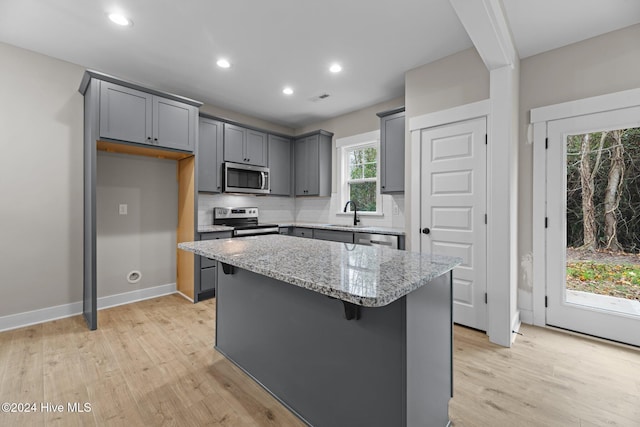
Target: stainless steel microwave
{"points": [[241, 178]]}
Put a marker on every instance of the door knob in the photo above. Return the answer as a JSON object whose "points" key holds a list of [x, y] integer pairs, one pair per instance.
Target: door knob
{"points": [[426, 230]]}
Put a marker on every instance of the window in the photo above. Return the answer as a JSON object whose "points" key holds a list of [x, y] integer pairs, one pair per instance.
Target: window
{"points": [[362, 177], [358, 173]]}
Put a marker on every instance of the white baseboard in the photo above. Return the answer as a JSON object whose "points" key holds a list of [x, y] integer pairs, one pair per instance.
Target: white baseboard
{"points": [[20, 320], [515, 326], [526, 316]]}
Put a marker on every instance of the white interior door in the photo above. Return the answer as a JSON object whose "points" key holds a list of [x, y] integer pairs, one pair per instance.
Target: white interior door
{"points": [[453, 209], [565, 309]]}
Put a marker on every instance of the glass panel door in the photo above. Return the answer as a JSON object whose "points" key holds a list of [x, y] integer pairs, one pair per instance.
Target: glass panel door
{"points": [[593, 239]]}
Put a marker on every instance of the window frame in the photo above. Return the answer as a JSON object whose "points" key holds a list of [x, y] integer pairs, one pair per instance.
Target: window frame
{"points": [[344, 147]]}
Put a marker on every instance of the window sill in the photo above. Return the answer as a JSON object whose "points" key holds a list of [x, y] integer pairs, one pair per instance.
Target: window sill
{"points": [[374, 214]]}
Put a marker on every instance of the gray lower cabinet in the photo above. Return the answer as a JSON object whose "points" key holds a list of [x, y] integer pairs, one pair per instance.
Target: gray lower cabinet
{"points": [[333, 235], [243, 145], [302, 232], [280, 165], [313, 164], [284, 230], [392, 142], [132, 115], [210, 155], [209, 268]]}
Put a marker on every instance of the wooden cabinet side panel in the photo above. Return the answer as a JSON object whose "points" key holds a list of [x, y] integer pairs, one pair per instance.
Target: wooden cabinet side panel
{"points": [[186, 225]]}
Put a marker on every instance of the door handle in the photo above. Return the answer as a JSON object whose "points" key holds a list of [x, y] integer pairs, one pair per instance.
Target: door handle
{"points": [[426, 230]]}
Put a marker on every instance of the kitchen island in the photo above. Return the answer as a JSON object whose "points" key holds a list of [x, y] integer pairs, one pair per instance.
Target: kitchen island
{"points": [[342, 334]]}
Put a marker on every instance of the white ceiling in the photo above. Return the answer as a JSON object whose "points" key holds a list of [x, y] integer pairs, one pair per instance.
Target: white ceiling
{"points": [[173, 45]]}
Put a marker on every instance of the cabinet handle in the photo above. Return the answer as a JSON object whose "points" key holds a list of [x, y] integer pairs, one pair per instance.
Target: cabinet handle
{"points": [[155, 139], [148, 138]]}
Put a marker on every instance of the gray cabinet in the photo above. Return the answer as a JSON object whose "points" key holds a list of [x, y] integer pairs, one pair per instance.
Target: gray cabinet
{"points": [[302, 232], [243, 145], [313, 164], [210, 155], [131, 115], [284, 231], [209, 267], [333, 235], [392, 136], [280, 165]]}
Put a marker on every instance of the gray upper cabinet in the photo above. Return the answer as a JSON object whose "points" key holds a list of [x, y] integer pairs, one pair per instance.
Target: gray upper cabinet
{"points": [[125, 113], [242, 145], [173, 124], [210, 155], [313, 164], [132, 115], [280, 165], [392, 136]]}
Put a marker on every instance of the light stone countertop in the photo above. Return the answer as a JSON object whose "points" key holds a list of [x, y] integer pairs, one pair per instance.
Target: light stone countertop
{"points": [[356, 229], [213, 228], [337, 227], [370, 276]]}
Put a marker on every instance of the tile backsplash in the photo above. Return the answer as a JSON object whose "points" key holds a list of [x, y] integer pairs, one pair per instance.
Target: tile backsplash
{"points": [[303, 209]]}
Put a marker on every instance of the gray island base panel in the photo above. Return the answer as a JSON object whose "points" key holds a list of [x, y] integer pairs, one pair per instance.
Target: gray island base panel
{"points": [[369, 276], [391, 366]]}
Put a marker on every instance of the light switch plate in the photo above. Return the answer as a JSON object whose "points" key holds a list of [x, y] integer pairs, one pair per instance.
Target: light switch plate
{"points": [[122, 209]]}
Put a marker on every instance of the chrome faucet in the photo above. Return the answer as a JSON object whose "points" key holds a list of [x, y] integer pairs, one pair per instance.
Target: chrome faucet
{"points": [[355, 211]]}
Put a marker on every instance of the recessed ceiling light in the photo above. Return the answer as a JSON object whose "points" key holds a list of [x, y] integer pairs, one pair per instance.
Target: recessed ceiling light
{"points": [[223, 63], [287, 91], [122, 20], [335, 68]]}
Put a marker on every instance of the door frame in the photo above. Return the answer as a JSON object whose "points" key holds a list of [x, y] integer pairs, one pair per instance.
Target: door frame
{"points": [[539, 118], [446, 117]]}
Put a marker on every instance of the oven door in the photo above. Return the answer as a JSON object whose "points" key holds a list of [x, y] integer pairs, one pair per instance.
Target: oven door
{"points": [[248, 179]]}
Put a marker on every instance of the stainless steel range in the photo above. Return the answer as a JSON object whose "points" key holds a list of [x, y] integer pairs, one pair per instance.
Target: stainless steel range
{"points": [[243, 220]]}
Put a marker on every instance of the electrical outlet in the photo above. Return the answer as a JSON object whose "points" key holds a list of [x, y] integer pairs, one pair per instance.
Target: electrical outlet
{"points": [[396, 209], [122, 209]]}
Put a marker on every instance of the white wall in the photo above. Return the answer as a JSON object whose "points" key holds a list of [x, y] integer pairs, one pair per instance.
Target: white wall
{"points": [[328, 209], [604, 64], [41, 122], [456, 80], [145, 239]]}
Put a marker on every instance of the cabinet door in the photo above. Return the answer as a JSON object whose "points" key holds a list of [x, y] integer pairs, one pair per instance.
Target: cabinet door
{"points": [[313, 165], [303, 232], [255, 148], [208, 278], [234, 137], [280, 165], [209, 156], [125, 114], [333, 235], [173, 124], [392, 153], [300, 149]]}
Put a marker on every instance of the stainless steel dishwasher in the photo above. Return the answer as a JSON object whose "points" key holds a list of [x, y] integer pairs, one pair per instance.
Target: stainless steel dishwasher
{"points": [[370, 239]]}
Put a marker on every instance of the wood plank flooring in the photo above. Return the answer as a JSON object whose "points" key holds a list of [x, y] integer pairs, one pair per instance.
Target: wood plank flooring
{"points": [[153, 363]]}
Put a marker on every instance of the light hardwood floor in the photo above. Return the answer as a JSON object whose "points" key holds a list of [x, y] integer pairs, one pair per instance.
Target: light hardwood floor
{"points": [[153, 363]]}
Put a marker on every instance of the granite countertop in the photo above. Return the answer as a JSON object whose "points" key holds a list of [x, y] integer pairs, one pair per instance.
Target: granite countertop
{"points": [[370, 276], [213, 228], [338, 227]]}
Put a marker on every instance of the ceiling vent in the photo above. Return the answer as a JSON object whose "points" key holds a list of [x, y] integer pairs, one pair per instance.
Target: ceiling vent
{"points": [[320, 97]]}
